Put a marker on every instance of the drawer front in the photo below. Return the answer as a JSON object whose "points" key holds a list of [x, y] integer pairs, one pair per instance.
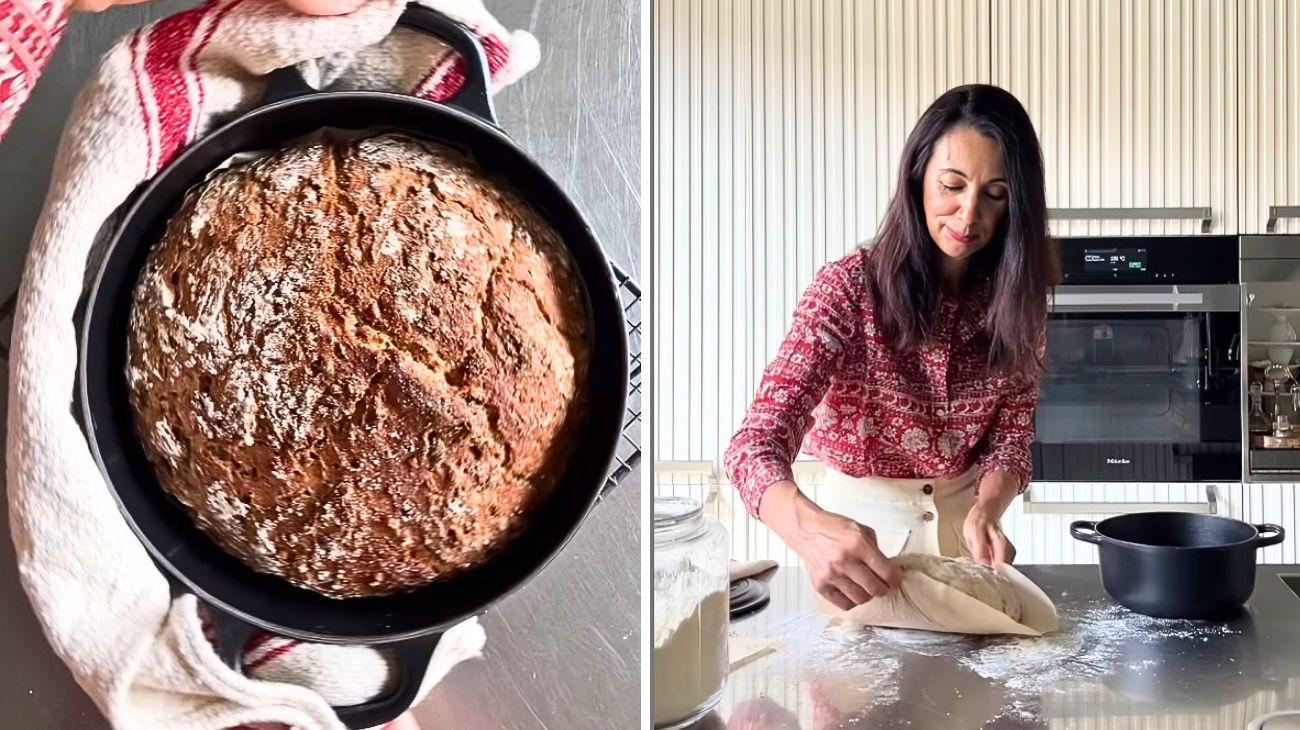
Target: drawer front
{"points": [[1038, 526], [1038, 522], [1275, 503]]}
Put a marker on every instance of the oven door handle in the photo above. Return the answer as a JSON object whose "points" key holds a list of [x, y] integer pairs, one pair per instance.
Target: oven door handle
{"points": [[1029, 506], [1132, 301], [1147, 298]]}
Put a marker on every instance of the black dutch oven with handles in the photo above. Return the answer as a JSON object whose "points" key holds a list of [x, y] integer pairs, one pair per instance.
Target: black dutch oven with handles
{"points": [[244, 601], [1178, 564]]}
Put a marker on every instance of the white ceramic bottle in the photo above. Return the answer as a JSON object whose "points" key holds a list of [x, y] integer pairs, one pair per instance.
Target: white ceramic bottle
{"points": [[1281, 331]]}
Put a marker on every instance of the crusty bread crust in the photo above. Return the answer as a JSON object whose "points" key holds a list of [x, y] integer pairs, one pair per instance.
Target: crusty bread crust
{"points": [[360, 365]]}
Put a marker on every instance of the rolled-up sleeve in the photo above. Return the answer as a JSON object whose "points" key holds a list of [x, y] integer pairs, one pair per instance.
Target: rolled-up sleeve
{"points": [[771, 435]]}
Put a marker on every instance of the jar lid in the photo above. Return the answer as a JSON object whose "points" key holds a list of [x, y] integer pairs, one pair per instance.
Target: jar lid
{"points": [[674, 510], [677, 518]]}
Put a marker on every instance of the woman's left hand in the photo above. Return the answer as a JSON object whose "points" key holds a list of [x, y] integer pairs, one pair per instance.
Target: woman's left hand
{"points": [[984, 538]]}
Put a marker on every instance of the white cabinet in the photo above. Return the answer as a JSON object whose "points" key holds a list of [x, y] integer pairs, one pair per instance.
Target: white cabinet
{"points": [[1039, 526], [1135, 106], [1041, 533], [1269, 115], [1276, 504]]}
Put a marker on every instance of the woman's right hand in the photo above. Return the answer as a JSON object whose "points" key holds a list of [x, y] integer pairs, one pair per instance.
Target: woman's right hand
{"points": [[846, 565]]}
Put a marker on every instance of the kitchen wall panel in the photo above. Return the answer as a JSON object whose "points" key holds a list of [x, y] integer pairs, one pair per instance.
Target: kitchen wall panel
{"points": [[1275, 503], [778, 125], [1269, 112], [1134, 103]]}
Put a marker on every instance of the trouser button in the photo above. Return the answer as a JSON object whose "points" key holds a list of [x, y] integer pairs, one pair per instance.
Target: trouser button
{"points": [[928, 489]]}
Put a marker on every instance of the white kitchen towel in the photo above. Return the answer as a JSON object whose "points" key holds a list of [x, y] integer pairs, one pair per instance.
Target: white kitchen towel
{"points": [[105, 609]]}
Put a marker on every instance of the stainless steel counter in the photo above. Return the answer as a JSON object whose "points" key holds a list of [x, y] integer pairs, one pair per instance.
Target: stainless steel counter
{"points": [[1106, 668], [565, 651]]}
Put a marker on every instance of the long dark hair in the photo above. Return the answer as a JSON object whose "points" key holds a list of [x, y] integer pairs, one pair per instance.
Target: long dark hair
{"points": [[1019, 262]]}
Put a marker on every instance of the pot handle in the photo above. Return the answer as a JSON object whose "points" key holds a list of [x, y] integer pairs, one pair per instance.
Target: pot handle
{"points": [[411, 657], [1278, 535], [286, 83], [7, 308], [1085, 530]]}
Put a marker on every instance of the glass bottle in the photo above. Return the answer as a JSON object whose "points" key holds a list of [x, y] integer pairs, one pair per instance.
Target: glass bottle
{"points": [[1258, 421]]}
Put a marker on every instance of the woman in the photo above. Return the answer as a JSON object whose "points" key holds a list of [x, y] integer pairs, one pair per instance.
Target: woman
{"points": [[912, 365]]}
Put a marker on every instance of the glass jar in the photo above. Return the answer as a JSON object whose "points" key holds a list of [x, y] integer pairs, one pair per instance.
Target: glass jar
{"points": [[690, 612]]}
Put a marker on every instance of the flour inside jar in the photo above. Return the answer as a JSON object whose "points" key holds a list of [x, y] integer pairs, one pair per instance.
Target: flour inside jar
{"points": [[691, 613], [690, 661]]}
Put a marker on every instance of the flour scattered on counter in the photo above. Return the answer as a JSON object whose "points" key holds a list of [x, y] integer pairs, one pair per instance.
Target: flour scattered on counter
{"points": [[927, 643], [853, 673], [1033, 664], [854, 670], [1089, 645]]}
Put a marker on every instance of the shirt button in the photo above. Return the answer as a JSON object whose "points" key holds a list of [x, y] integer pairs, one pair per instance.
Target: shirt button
{"points": [[941, 412], [928, 517], [928, 489]]}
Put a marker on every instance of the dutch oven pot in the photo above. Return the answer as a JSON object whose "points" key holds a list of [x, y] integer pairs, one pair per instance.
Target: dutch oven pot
{"points": [[244, 601], [1178, 564]]}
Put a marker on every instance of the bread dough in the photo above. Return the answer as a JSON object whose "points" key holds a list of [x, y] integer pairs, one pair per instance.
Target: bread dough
{"points": [[968, 576], [926, 603]]}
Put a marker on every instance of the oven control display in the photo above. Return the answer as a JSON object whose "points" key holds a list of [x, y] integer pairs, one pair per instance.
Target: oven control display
{"points": [[1117, 260]]}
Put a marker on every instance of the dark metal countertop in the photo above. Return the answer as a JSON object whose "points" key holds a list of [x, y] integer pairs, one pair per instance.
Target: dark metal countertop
{"points": [[564, 652], [1107, 668]]}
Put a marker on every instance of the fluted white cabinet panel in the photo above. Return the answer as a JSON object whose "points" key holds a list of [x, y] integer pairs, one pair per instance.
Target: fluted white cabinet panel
{"points": [[1134, 102], [1269, 112]]}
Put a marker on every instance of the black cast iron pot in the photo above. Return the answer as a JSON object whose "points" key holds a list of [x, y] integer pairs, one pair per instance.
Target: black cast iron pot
{"points": [[244, 601], [1178, 564]]}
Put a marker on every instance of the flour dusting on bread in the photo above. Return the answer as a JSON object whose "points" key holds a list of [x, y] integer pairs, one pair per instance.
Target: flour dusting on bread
{"points": [[361, 364]]}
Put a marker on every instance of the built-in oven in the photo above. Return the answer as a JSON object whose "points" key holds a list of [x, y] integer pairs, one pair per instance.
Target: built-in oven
{"points": [[1143, 375]]}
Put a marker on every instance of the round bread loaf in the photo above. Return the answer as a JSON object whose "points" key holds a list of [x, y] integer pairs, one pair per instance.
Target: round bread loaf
{"points": [[360, 365]]}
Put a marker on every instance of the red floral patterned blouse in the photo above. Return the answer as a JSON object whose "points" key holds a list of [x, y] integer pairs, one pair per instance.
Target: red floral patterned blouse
{"points": [[868, 411], [29, 30]]}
